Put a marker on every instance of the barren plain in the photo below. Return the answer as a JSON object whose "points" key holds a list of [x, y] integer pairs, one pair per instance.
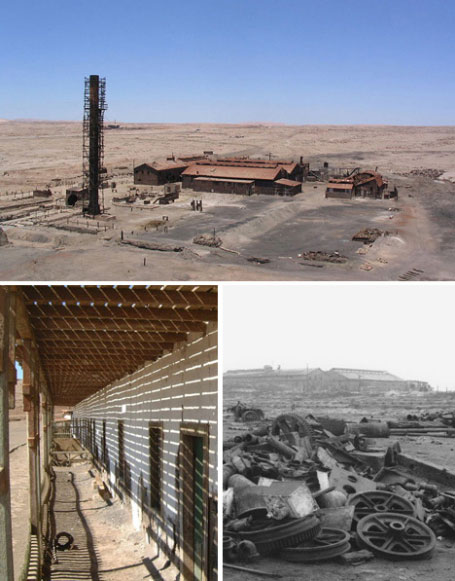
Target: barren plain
{"points": [[262, 236]]}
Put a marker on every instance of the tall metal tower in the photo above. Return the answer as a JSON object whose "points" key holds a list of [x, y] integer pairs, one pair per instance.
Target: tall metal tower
{"points": [[93, 141]]}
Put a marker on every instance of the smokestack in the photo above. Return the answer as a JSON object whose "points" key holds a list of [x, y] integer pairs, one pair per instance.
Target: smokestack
{"points": [[93, 142], [94, 151]]}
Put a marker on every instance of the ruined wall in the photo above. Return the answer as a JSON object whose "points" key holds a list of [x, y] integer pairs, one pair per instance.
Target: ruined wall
{"points": [[179, 388]]}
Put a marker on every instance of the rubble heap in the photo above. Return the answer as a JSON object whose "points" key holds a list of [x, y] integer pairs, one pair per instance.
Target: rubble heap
{"points": [[299, 491]]}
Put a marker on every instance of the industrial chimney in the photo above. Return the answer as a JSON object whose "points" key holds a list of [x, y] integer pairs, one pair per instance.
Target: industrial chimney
{"points": [[93, 140]]}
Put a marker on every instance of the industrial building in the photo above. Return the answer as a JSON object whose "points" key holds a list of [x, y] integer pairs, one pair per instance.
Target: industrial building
{"points": [[243, 176], [238, 384], [138, 368], [363, 184], [364, 380], [159, 173], [230, 175]]}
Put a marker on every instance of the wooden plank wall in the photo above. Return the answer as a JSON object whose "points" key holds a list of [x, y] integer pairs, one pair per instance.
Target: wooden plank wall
{"points": [[181, 387]]}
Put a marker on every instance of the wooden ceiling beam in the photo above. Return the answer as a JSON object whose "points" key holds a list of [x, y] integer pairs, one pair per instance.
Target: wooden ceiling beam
{"points": [[49, 357], [138, 312], [154, 296], [84, 324], [103, 346], [138, 337]]}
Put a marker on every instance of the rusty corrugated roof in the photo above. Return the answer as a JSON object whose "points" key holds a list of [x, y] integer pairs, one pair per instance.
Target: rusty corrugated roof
{"points": [[340, 186], [236, 172], [163, 165], [230, 180], [289, 183]]}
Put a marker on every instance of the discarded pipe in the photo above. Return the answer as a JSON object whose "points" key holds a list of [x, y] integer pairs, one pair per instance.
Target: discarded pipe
{"points": [[239, 482], [254, 571], [280, 447]]}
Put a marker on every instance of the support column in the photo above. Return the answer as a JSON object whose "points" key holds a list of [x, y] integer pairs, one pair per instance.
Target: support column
{"points": [[6, 541], [45, 420], [50, 431], [31, 406]]}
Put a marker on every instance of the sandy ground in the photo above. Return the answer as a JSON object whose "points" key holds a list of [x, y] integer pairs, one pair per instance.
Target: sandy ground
{"points": [[436, 450], [106, 547], [420, 240], [19, 480]]}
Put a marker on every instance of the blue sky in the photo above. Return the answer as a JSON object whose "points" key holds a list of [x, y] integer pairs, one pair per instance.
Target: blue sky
{"points": [[288, 61]]}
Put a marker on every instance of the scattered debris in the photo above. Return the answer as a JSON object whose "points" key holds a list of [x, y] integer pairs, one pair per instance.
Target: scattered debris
{"points": [[411, 274], [244, 413], [258, 260], [297, 491], [368, 236], [426, 173], [149, 245], [319, 255], [208, 240]]}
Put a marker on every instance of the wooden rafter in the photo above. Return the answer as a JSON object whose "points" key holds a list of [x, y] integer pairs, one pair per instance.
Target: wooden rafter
{"points": [[89, 336]]}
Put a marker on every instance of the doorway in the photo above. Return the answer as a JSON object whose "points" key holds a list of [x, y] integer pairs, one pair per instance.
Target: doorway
{"points": [[194, 500]]}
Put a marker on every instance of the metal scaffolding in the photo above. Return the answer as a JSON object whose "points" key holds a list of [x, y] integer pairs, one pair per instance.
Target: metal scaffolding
{"points": [[93, 142]]}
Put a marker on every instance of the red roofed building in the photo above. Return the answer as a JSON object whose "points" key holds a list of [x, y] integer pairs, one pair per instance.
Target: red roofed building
{"points": [[364, 184], [159, 173]]}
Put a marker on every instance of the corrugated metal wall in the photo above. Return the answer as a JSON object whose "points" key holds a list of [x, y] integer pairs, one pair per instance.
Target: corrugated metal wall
{"points": [[181, 387]]}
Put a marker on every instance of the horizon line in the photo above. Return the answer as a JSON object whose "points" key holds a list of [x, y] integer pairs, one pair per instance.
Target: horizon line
{"points": [[239, 123]]}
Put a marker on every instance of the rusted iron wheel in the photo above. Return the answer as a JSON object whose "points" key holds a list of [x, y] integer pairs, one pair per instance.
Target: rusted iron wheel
{"points": [[272, 537], [395, 536], [328, 544], [379, 501], [252, 415], [285, 424]]}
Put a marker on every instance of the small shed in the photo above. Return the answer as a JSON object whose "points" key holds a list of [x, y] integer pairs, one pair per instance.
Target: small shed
{"points": [[74, 195], [285, 187], [339, 190]]}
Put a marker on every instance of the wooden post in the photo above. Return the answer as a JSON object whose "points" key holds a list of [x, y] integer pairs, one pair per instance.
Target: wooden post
{"points": [[31, 406], [45, 420], [6, 540]]}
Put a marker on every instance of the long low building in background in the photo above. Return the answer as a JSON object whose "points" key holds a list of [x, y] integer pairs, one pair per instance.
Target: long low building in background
{"points": [[233, 175], [241, 178], [244, 383]]}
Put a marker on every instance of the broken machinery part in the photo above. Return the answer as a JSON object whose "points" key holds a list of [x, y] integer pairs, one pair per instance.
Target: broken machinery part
{"points": [[328, 544], [395, 536], [378, 501]]}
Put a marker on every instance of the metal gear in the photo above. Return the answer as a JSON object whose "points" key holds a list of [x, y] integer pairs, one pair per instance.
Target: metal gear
{"points": [[328, 544], [395, 536], [379, 501], [270, 538]]}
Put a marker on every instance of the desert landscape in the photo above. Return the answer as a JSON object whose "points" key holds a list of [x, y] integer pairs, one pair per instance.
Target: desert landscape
{"points": [[262, 237]]}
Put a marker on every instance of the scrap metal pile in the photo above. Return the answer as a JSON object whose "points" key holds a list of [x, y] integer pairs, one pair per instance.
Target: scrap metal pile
{"points": [[439, 424], [308, 490]]}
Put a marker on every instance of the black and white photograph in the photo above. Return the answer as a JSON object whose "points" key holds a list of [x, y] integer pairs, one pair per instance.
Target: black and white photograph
{"points": [[338, 432]]}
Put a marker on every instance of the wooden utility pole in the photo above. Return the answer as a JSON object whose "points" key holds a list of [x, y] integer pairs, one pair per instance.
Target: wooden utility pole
{"points": [[6, 542]]}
